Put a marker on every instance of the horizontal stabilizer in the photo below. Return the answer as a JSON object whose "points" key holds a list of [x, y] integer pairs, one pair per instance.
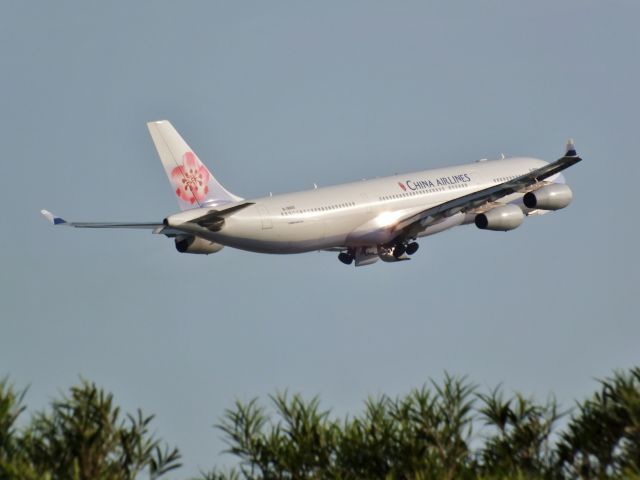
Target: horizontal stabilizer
{"points": [[214, 216]]}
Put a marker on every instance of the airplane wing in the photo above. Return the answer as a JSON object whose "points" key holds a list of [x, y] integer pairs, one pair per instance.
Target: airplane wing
{"points": [[157, 227], [411, 225], [210, 220], [55, 220]]}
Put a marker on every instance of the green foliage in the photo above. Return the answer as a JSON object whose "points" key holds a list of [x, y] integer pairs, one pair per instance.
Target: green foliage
{"points": [[519, 444], [10, 409], [603, 437], [428, 434], [13, 462], [300, 442], [444, 430], [83, 436], [423, 435]]}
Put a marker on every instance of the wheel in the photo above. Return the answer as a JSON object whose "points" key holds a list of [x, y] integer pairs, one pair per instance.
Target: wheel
{"points": [[399, 250], [345, 258], [412, 248]]}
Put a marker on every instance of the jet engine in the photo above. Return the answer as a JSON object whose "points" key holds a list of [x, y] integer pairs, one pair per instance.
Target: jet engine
{"points": [[550, 197], [501, 219], [193, 244]]}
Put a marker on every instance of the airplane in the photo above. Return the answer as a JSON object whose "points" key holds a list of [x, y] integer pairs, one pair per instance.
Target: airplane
{"points": [[363, 221]]}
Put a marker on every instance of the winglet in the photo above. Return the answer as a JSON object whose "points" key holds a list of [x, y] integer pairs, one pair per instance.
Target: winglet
{"points": [[570, 149], [52, 218]]}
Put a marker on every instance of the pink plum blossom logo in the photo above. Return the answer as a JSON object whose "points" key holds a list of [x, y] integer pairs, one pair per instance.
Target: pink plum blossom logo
{"points": [[191, 179], [404, 189]]}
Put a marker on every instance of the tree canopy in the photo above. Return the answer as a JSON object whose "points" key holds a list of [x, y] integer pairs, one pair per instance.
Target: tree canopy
{"points": [[82, 436], [444, 430]]}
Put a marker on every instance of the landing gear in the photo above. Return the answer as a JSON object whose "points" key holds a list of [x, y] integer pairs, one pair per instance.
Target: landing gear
{"points": [[346, 258], [412, 248], [390, 252], [399, 250]]}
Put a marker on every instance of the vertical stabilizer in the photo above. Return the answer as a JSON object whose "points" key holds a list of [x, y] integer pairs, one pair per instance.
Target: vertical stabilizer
{"points": [[192, 182]]}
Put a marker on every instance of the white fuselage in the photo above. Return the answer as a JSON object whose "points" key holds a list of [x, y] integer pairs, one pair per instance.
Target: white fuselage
{"points": [[345, 215]]}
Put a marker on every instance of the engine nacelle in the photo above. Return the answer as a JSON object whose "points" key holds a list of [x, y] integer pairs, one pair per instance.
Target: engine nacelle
{"points": [[550, 197], [193, 244], [500, 219]]}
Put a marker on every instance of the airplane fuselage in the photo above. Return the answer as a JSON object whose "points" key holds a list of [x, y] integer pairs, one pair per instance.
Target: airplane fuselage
{"points": [[344, 215]]}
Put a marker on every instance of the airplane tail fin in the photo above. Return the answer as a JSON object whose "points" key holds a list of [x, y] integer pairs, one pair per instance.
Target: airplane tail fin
{"points": [[192, 182]]}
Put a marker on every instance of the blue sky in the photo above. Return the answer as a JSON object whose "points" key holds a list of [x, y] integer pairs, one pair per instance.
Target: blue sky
{"points": [[275, 96]]}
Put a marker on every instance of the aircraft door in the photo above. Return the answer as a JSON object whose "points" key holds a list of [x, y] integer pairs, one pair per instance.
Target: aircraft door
{"points": [[265, 218]]}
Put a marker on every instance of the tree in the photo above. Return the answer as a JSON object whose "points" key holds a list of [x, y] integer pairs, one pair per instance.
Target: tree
{"points": [[428, 434], [82, 437], [13, 462], [520, 439], [423, 435], [602, 439], [444, 430]]}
